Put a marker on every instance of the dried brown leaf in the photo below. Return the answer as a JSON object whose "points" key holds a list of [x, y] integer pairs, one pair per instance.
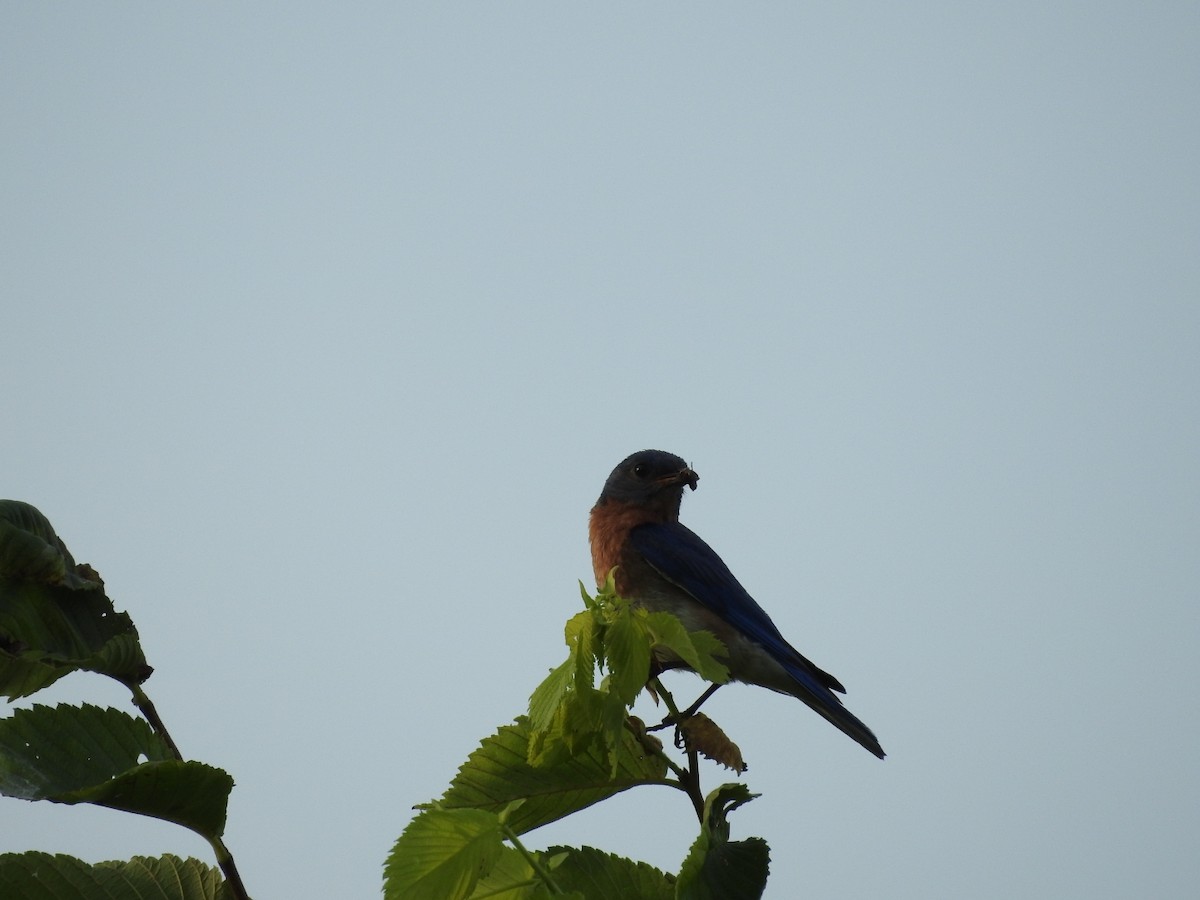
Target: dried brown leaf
{"points": [[704, 735]]}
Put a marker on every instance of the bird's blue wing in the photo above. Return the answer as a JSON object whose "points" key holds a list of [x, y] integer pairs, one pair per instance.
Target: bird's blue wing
{"points": [[681, 556]]}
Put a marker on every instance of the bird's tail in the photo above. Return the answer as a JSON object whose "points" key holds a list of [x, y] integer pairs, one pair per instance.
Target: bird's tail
{"points": [[816, 688]]}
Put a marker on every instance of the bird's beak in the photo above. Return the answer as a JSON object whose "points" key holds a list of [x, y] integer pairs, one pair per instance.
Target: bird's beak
{"points": [[683, 476]]}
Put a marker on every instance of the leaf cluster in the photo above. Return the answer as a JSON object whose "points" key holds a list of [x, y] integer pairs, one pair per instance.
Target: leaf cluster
{"points": [[577, 746], [569, 710], [55, 619]]}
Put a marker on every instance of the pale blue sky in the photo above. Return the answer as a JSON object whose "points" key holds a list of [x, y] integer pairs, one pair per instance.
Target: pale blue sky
{"points": [[324, 325]]}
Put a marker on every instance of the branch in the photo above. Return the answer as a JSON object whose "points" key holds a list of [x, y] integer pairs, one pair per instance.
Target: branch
{"points": [[224, 858], [229, 868], [689, 778], [146, 706]]}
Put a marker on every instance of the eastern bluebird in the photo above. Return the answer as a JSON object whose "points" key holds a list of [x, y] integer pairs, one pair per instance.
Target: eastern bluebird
{"points": [[663, 565]]}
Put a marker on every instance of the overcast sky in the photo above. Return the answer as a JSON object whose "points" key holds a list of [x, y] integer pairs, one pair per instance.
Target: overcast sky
{"points": [[323, 326]]}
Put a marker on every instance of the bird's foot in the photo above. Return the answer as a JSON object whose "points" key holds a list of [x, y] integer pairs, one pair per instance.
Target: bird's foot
{"points": [[682, 716]]}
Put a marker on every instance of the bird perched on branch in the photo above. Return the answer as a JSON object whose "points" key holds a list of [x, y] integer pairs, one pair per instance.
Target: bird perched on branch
{"points": [[663, 565]]}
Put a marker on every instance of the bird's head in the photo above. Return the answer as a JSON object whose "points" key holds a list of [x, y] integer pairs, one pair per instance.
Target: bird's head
{"points": [[652, 478]]}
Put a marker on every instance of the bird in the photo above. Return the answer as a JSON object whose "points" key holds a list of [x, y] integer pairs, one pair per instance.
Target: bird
{"points": [[662, 565]]}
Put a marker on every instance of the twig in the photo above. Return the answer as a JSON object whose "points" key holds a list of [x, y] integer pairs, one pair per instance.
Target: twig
{"points": [[689, 778], [542, 872], [143, 703], [229, 868], [224, 858]]}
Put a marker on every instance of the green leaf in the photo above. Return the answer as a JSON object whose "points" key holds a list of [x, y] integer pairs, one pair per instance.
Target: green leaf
{"points": [[717, 868], [564, 704], [498, 772], [511, 878], [582, 636], [699, 649], [588, 600], [614, 732], [22, 677], [568, 713], [627, 651], [54, 616], [86, 754], [442, 854], [31, 551], [610, 585], [547, 696], [42, 876], [48, 631], [191, 794], [725, 870], [586, 714], [594, 873], [47, 752], [720, 802]]}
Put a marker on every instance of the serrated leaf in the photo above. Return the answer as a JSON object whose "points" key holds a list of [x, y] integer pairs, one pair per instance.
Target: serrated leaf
{"points": [[106, 757], [575, 727], [43, 876], [581, 633], [627, 652], [720, 802], [547, 696], [53, 620], [584, 716], [31, 551], [594, 873], [717, 868], [48, 752], [498, 772], [725, 870], [192, 794], [67, 629], [442, 854], [614, 733], [511, 878], [704, 735], [23, 677]]}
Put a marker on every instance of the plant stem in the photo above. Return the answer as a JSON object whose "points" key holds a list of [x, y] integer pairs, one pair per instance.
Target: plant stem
{"points": [[146, 706], [224, 857], [693, 785], [689, 778], [229, 868], [666, 695], [542, 872]]}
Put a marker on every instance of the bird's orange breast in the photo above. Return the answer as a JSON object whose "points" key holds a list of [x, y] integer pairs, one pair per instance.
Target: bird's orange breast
{"points": [[608, 530]]}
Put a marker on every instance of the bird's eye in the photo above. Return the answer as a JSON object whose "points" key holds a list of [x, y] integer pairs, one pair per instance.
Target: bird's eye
{"points": [[640, 470]]}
